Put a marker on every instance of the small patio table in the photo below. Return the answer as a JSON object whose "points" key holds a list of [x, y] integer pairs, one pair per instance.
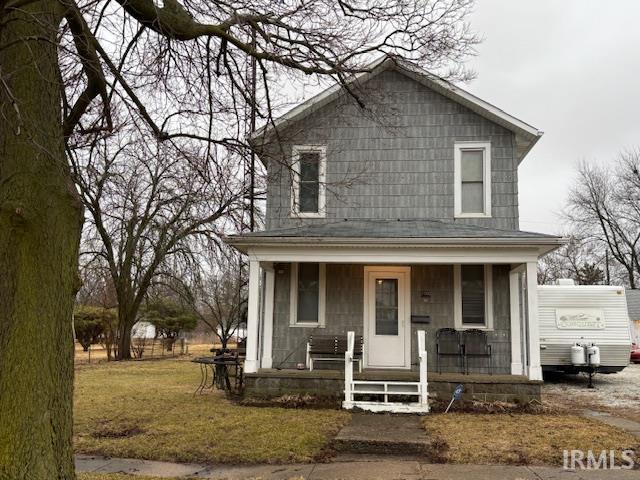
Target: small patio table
{"points": [[219, 366]]}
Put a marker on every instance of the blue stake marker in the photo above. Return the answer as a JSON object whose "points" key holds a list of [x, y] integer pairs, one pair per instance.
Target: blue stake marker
{"points": [[457, 393]]}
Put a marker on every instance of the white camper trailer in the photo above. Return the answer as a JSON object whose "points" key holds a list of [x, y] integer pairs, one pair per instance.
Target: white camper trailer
{"points": [[579, 322]]}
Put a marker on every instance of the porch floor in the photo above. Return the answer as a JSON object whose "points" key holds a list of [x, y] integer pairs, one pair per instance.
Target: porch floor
{"points": [[393, 375], [324, 382]]}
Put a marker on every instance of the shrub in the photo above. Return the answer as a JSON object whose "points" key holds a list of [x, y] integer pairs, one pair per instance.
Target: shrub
{"points": [[170, 319], [90, 324]]}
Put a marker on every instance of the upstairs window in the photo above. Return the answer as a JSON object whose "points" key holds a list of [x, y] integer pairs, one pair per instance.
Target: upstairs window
{"points": [[472, 172], [308, 192], [307, 294]]}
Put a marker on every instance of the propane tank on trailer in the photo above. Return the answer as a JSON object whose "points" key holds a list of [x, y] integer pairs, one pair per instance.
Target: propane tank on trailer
{"points": [[578, 356], [593, 355]]}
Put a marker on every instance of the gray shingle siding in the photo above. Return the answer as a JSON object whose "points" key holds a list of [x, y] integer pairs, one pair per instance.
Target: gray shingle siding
{"points": [[345, 304], [399, 165], [633, 304]]}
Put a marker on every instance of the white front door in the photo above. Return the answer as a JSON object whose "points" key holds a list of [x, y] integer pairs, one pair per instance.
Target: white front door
{"points": [[387, 325]]}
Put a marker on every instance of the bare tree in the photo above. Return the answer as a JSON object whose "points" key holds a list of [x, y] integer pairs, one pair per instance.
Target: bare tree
{"points": [[217, 291], [145, 202], [65, 67], [580, 260], [98, 291], [604, 206]]}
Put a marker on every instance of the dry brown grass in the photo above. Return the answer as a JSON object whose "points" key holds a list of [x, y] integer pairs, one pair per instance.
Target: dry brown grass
{"points": [[520, 438], [147, 410], [98, 353], [115, 476]]}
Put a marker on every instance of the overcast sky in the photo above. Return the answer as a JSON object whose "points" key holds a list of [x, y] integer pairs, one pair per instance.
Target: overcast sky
{"points": [[569, 68]]}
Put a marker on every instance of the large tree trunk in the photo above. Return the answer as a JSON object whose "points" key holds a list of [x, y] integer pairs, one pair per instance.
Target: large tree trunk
{"points": [[125, 325], [40, 224]]}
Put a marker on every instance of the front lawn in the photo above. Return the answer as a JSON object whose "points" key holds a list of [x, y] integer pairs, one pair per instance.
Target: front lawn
{"points": [[147, 410], [115, 476], [521, 438]]}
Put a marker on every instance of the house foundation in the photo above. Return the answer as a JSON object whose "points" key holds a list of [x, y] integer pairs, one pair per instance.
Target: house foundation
{"points": [[269, 383]]}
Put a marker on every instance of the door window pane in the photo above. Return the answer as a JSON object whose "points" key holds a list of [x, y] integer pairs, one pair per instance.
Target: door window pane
{"points": [[386, 306], [472, 177], [308, 292], [473, 296], [309, 182]]}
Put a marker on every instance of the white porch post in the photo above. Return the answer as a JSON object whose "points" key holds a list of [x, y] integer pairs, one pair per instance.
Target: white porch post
{"points": [[267, 327], [251, 361], [422, 354], [535, 370], [348, 371], [516, 334]]}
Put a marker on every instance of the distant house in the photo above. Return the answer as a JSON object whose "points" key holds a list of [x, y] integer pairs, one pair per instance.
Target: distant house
{"points": [[633, 306], [143, 330], [388, 221]]}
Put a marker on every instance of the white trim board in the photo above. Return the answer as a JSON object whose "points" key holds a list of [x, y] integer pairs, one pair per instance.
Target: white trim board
{"points": [[458, 148], [387, 256], [243, 243]]}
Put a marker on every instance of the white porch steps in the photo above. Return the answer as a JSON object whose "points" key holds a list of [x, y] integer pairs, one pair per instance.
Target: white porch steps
{"points": [[388, 395]]}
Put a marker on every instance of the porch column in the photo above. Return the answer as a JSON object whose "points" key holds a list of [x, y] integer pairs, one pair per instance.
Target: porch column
{"points": [[253, 312], [267, 327], [535, 370], [516, 333]]}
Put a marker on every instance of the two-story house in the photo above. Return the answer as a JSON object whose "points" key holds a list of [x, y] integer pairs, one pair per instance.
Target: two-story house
{"points": [[386, 220]]}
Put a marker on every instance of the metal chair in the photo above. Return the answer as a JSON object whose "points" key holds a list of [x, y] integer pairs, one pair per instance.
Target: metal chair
{"points": [[448, 345], [475, 345]]}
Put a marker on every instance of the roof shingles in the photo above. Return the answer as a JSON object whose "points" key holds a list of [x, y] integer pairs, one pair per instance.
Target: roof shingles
{"points": [[400, 228]]}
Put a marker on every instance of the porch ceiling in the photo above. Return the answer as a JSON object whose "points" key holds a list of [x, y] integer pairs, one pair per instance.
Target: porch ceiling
{"points": [[395, 254]]}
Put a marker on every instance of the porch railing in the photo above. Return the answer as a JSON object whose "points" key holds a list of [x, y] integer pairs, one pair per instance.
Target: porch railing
{"points": [[389, 394]]}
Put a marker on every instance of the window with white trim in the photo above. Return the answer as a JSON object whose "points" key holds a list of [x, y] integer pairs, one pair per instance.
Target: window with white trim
{"points": [[473, 292], [308, 186], [308, 285], [472, 176]]}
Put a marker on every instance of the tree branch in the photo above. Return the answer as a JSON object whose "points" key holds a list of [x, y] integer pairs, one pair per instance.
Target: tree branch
{"points": [[85, 44]]}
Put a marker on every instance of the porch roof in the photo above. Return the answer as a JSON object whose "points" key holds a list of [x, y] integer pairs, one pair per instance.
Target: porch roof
{"points": [[393, 232]]}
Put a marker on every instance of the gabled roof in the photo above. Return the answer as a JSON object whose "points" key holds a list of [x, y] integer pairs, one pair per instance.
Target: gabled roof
{"points": [[395, 232], [633, 304], [526, 135]]}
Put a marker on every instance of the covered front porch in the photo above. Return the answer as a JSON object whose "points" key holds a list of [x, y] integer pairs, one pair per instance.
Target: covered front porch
{"points": [[428, 297], [386, 290]]}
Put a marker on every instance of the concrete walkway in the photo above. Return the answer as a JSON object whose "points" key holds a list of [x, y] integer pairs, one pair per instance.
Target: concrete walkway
{"points": [[355, 467], [615, 421], [384, 434]]}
